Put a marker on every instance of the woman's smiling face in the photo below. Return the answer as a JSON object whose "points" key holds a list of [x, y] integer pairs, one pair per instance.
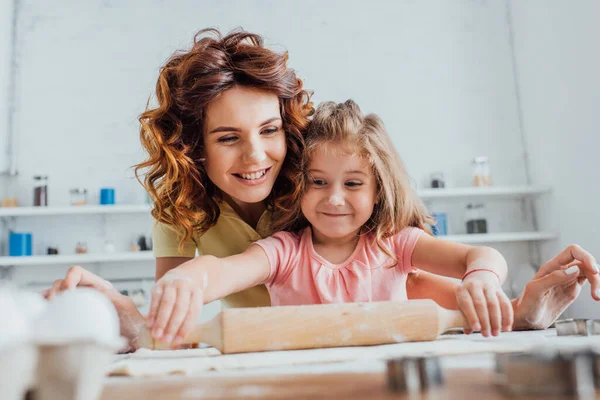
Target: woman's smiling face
{"points": [[244, 143]]}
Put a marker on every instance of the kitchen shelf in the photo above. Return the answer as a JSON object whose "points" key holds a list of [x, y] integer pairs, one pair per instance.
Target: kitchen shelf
{"points": [[491, 191], [72, 259], [425, 194], [504, 237], [75, 210]]}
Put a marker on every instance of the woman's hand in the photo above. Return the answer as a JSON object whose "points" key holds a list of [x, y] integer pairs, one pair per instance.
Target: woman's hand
{"points": [[554, 287], [485, 306], [77, 276], [131, 320], [176, 304]]}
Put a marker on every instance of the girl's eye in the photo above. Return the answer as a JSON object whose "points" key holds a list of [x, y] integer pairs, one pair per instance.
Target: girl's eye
{"points": [[353, 184], [318, 182], [227, 139], [270, 131]]}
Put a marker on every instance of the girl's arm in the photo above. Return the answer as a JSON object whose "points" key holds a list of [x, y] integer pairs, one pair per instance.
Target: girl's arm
{"points": [[177, 297], [443, 257], [425, 285], [482, 269]]}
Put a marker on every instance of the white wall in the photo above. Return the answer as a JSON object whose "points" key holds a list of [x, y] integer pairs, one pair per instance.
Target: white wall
{"points": [[6, 13], [558, 62], [439, 73]]}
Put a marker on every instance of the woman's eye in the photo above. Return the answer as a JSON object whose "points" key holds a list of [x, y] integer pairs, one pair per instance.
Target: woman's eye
{"points": [[270, 131], [227, 139], [353, 184], [318, 182]]}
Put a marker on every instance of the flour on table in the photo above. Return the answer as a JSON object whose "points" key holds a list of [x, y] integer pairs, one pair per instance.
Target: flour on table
{"points": [[195, 361]]}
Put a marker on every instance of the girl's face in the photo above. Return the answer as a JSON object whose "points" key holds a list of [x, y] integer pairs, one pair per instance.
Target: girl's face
{"points": [[244, 143], [340, 194]]}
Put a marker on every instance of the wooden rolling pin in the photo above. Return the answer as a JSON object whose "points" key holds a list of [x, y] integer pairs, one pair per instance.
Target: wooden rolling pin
{"points": [[242, 330]]}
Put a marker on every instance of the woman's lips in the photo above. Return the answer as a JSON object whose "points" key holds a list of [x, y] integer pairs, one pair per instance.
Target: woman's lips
{"points": [[253, 182]]}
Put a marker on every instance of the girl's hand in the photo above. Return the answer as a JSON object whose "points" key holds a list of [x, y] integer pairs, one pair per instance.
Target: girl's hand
{"points": [[484, 304], [176, 304], [77, 276]]}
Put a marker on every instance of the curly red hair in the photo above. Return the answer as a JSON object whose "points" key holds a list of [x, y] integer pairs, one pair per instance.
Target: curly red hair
{"points": [[173, 174]]}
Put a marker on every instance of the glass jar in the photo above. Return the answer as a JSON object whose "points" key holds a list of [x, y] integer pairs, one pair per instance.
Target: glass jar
{"points": [[481, 171], [78, 196], [437, 180], [475, 217], [40, 191], [81, 248]]}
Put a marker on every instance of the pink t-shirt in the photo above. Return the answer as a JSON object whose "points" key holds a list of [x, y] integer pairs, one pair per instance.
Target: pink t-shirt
{"points": [[301, 276]]}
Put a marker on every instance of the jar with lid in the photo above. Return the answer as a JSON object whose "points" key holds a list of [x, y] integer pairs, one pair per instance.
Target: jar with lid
{"points": [[40, 191], [475, 217], [437, 180], [78, 196], [481, 171]]}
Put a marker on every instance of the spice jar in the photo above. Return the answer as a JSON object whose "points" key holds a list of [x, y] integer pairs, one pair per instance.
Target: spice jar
{"points": [[437, 180], [78, 196], [475, 216], [81, 248], [40, 190], [481, 171]]}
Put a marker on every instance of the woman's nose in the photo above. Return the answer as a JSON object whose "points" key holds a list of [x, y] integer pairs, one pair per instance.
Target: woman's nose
{"points": [[254, 152]]}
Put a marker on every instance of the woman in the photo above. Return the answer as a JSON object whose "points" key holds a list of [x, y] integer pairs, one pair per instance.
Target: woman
{"points": [[224, 147]]}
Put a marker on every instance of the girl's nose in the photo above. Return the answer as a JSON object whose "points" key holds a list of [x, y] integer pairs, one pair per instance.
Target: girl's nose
{"points": [[336, 200]]}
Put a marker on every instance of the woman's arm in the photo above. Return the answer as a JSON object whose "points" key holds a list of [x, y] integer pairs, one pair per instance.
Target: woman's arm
{"points": [[178, 296], [165, 264]]}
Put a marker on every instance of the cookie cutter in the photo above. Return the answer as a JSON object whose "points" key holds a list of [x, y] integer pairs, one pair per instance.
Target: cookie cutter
{"points": [[548, 372], [414, 374], [577, 326]]}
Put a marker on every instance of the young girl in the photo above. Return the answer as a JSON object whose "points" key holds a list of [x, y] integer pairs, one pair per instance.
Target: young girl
{"points": [[358, 231]]}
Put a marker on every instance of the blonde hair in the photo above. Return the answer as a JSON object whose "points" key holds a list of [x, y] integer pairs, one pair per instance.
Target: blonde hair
{"points": [[398, 205]]}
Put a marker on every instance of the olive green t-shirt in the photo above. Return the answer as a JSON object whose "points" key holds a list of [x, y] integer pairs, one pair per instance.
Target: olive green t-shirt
{"points": [[229, 236]]}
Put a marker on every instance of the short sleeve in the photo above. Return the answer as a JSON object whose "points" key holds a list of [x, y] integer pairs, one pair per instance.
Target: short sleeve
{"points": [[165, 242], [404, 244], [281, 250]]}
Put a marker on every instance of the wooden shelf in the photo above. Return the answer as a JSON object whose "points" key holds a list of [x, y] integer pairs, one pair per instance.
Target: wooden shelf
{"points": [[75, 210], [491, 191], [505, 237], [72, 259]]}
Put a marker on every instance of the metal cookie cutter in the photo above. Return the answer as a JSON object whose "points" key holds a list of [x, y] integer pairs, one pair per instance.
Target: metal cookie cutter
{"points": [[414, 374], [547, 372], [580, 327]]}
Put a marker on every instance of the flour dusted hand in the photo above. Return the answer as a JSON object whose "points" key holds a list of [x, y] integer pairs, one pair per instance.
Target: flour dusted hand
{"points": [[485, 306], [77, 276], [176, 304]]}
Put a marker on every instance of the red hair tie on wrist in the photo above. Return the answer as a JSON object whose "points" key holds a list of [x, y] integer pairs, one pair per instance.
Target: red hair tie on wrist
{"points": [[481, 269]]}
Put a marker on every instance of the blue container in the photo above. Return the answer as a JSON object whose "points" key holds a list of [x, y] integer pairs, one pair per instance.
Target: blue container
{"points": [[107, 196], [20, 244], [441, 224]]}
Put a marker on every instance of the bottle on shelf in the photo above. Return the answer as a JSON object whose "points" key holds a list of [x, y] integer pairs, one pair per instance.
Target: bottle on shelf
{"points": [[40, 191], [481, 171], [475, 217]]}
